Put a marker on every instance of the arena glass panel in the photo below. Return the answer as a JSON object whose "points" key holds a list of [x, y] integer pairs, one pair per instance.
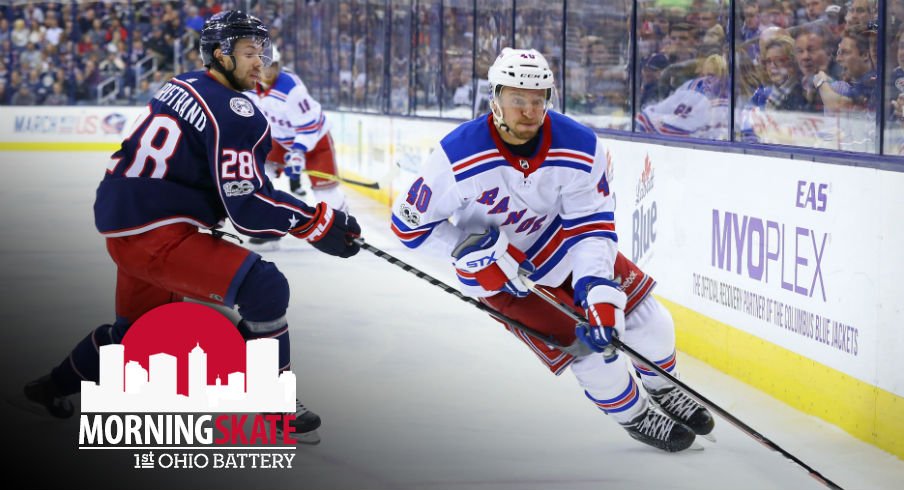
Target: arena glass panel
{"points": [[343, 46], [306, 38], [377, 50], [681, 68], [427, 58], [326, 53], [538, 25], [893, 139], [458, 60], [288, 30], [597, 86], [352, 48], [494, 32], [400, 57], [807, 80]]}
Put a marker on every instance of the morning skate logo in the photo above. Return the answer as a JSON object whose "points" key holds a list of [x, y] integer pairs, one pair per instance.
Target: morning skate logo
{"points": [[184, 390]]}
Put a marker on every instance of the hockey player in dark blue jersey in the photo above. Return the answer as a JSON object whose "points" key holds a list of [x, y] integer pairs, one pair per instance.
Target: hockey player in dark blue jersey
{"points": [[194, 159]]}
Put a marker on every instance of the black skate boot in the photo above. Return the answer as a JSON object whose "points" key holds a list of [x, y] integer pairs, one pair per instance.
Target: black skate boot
{"points": [[296, 188], [676, 404], [44, 397], [658, 430], [306, 423]]}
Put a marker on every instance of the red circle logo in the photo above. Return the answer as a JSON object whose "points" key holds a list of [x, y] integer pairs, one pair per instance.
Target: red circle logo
{"points": [[176, 329]]}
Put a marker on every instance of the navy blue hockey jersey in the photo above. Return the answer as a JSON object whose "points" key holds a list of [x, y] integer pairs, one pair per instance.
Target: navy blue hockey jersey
{"points": [[195, 155]]}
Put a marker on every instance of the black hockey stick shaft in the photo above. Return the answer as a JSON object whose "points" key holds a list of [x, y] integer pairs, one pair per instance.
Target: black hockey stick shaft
{"points": [[548, 297], [324, 175], [449, 289]]}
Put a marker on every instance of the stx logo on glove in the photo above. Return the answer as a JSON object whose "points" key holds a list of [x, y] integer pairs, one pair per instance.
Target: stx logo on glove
{"points": [[483, 261], [476, 263]]}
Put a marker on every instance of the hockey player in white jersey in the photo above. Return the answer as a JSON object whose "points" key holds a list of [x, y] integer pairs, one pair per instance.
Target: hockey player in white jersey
{"points": [[698, 108], [524, 189], [301, 136]]}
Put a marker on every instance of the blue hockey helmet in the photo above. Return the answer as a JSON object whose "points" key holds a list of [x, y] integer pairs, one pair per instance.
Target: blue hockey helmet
{"points": [[223, 29]]}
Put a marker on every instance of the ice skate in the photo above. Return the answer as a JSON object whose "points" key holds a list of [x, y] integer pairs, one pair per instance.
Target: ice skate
{"points": [[296, 188], [43, 398], [682, 408], [306, 423], [658, 430]]}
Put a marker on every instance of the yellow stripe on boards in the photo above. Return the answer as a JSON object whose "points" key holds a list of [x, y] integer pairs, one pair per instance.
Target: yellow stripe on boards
{"points": [[867, 412]]}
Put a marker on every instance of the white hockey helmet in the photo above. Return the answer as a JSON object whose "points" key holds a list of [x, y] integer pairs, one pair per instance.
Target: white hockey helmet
{"points": [[521, 68]]}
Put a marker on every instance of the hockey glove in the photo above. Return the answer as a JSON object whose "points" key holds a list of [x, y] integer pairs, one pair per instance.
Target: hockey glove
{"points": [[330, 231], [492, 262], [295, 162], [605, 307]]}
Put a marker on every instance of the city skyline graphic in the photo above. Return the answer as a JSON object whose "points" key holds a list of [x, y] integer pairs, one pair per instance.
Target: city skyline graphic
{"points": [[129, 387]]}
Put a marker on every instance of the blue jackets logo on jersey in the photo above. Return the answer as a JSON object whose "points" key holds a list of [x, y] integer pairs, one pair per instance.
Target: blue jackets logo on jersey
{"points": [[242, 107]]}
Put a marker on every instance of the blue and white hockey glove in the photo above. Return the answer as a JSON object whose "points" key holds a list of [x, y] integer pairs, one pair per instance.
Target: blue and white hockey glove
{"points": [[488, 259], [295, 162], [605, 307]]}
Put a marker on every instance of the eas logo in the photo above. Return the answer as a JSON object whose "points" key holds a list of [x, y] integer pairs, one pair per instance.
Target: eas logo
{"points": [[184, 377], [812, 195]]}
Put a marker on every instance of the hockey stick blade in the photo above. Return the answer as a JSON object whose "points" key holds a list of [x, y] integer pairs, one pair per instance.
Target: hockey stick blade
{"points": [[324, 175]]}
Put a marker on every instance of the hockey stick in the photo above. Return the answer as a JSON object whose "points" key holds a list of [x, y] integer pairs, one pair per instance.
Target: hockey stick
{"points": [[324, 175], [454, 292], [545, 295], [549, 298]]}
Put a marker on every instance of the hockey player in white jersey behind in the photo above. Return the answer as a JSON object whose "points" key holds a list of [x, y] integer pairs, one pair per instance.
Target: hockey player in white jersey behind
{"points": [[301, 137], [524, 188]]}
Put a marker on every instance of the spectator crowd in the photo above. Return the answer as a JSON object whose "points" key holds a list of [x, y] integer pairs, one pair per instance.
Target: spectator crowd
{"points": [[111, 52]]}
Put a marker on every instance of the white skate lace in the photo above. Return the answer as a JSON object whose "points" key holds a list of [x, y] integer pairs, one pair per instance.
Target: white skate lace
{"points": [[678, 404], [656, 426], [299, 408]]}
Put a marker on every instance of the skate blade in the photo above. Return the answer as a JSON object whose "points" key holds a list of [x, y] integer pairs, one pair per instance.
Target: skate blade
{"points": [[695, 447], [311, 438], [709, 437], [264, 247]]}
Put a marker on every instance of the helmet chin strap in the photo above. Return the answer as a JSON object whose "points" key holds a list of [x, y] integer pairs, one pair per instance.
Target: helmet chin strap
{"points": [[228, 74], [497, 118], [500, 122]]}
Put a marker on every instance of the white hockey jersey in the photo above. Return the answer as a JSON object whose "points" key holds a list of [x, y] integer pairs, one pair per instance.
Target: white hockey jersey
{"points": [[554, 206], [296, 120]]}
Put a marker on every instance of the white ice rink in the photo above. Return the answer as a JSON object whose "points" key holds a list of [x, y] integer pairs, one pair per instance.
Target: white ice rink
{"points": [[417, 389]]}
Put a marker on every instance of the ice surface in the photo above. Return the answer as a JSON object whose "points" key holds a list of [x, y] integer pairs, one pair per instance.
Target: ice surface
{"points": [[417, 389]]}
